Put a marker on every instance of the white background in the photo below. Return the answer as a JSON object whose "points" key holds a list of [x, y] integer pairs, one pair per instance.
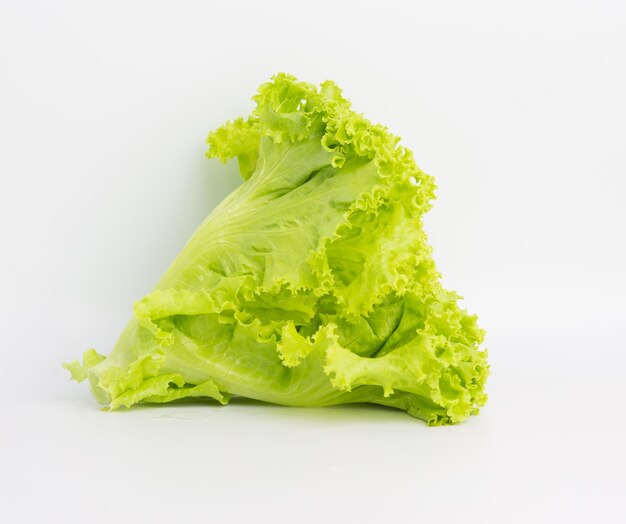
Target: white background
{"points": [[518, 109]]}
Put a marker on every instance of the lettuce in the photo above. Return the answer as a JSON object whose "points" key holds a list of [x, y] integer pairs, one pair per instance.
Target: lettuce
{"points": [[312, 284]]}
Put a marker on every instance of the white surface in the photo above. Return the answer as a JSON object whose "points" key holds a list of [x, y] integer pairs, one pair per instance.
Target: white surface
{"points": [[519, 113]]}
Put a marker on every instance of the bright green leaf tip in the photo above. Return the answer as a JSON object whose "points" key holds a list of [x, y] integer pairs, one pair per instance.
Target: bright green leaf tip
{"points": [[311, 284]]}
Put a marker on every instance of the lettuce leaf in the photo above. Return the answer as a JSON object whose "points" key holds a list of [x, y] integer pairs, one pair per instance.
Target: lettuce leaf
{"points": [[312, 284]]}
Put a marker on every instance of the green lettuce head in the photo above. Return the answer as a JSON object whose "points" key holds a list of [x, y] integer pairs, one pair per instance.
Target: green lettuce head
{"points": [[312, 284]]}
